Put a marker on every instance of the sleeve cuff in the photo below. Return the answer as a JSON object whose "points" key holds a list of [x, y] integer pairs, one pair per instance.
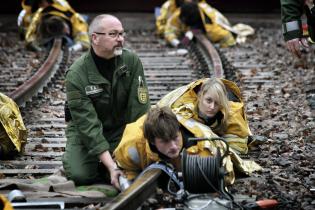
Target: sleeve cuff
{"points": [[292, 35], [100, 148]]}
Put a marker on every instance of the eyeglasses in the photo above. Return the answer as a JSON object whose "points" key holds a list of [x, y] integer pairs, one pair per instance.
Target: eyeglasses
{"points": [[113, 35]]}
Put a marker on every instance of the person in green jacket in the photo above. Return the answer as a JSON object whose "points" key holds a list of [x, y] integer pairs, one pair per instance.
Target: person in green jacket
{"points": [[291, 12], [105, 89]]}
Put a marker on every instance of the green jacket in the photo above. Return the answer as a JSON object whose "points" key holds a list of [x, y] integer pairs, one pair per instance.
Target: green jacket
{"points": [[100, 109], [291, 12]]}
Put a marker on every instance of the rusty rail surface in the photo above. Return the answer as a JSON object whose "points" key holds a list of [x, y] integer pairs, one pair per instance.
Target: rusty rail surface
{"points": [[212, 53], [32, 86]]}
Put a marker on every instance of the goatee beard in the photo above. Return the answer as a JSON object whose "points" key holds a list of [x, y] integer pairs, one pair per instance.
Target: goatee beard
{"points": [[118, 51]]}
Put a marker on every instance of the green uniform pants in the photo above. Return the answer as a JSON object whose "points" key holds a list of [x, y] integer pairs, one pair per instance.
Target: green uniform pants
{"points": [[79, 166]]}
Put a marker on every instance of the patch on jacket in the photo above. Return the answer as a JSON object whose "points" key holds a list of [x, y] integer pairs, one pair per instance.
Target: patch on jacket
{"points": [[93, 89], [134, 155], [142, 92], [123, 70], [142, 95]]}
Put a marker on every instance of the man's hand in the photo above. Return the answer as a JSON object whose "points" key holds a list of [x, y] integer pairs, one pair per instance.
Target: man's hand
{"points": [[185, 41], [114, 177], [295, 45], [33, 47], [114, 171], [309, 3]]}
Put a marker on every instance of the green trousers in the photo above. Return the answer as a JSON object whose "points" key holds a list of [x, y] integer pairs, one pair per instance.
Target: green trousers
{"points": [[79, 166]]}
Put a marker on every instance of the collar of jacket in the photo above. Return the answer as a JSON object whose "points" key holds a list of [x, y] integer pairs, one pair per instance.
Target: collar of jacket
{"points": [[234, 88], [94, 75], [174, 95]]}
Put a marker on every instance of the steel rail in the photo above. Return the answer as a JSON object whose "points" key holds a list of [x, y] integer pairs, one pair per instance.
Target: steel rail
{"points": [[137, 193], [33, 85], [212, 53]]}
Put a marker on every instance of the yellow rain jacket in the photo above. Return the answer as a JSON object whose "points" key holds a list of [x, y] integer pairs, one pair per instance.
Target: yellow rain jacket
{"points": [[13, 133], [167, 9], [215, 30], [79, 27], [183, 102]]}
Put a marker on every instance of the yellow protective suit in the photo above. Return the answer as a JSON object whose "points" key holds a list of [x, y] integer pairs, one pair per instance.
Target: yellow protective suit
{"points": [[183, 102], [215, 30], [79, 27], [167, 9], [13, 133]]}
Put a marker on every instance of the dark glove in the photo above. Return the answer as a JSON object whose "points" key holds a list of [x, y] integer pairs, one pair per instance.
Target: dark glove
{"points": [[255, 140], [33, 47]]}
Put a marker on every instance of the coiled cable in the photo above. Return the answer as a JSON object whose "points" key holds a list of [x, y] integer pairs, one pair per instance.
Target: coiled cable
{"points": [[201, 174]]}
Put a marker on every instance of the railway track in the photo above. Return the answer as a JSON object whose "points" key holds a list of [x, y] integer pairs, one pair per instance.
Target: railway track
{"points": [[261, 81], [17, 63], [42, 97]]}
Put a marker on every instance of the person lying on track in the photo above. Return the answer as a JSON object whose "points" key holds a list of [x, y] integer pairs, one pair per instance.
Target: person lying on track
{"points": [[153, 137], [54, 20], [167, 9], [201, 16], [216, 103]]}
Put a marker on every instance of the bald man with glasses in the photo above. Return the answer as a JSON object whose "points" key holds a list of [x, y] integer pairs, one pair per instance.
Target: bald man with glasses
{"points": [[106, 89]]}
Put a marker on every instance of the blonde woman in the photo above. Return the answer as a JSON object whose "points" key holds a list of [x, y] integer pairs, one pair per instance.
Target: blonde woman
{"points": [[214, 103]]}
